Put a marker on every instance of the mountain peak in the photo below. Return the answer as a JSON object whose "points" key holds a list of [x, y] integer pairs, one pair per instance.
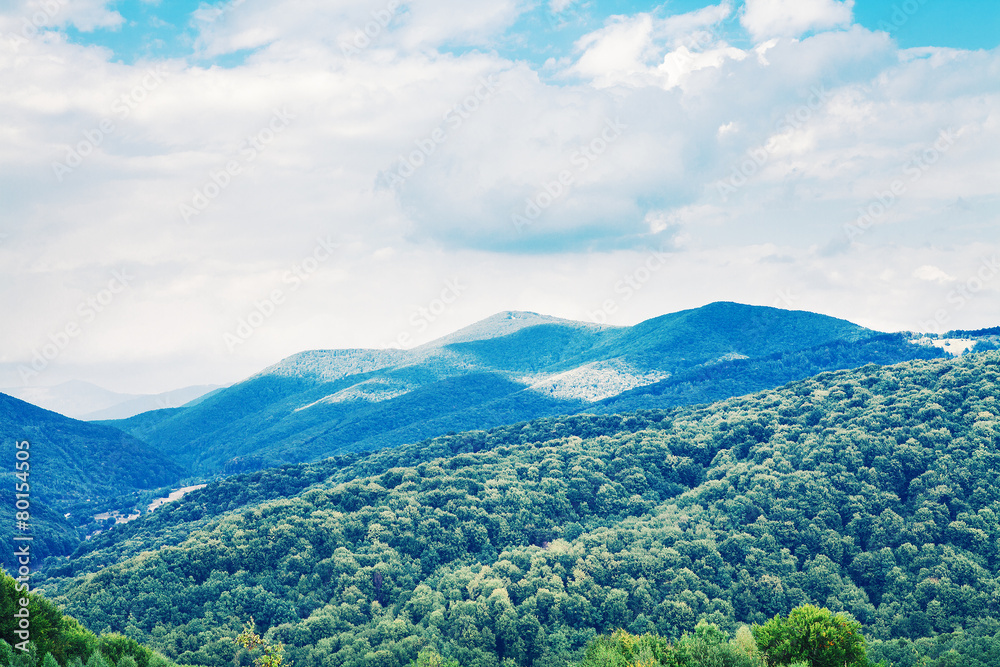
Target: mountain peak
{"points": [[501, 324]]}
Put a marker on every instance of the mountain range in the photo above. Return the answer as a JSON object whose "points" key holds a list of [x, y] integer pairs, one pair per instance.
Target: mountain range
{"points": [[507, 369], [507, 492], [511, 367]]}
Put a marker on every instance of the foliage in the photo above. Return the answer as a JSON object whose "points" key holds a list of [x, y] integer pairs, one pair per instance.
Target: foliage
{"points": [[429, 657], [874, 492], [271, 655], [707, 646], [622, 649], [61, 638], [812, 635]]}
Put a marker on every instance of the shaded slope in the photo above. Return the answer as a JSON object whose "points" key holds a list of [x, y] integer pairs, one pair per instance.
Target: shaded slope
{"points": [[736, 377], [69, 461], [72, 460]]}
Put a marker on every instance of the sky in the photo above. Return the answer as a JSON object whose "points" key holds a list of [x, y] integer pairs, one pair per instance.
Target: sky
{"points": [[192, 191]]}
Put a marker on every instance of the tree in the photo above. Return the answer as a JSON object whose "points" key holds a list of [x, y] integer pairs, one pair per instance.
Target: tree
{"points": [[812, 635], [97, 660], [707, 646], [622, 649], [271, 655], [429, 657]]}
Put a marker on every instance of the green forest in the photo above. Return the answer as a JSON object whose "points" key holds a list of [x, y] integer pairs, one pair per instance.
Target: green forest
{"points": [[807, 637], [55, 639], [871, 493]]}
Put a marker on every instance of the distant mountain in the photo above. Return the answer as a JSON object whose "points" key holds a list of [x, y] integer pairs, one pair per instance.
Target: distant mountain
{"points": [[75, 398], [69, 461], [511, 367], [146, 402], [84, 400]]}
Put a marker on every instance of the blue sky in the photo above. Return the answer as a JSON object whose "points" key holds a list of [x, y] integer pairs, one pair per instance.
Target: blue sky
{"points": [[169, 29], [175, 174]]}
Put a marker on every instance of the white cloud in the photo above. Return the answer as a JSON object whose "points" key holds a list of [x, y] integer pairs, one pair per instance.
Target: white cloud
{"points": [[25, 17], [618, 50], [839, 116], [291, 30], [642, 50], [791, 18], [932, 274]]}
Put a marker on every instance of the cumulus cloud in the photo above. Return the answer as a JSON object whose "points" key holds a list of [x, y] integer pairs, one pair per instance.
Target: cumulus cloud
{"points": [[291, 30], [426, 162], [790, 18], [647, 50], [24, 18]]}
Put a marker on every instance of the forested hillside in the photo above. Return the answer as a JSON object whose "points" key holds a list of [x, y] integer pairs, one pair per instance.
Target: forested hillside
{"points": [[70, 461], [75, 460], [53, 639], [873, 491]]}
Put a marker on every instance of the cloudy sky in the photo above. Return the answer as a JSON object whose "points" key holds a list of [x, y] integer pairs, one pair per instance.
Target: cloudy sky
{"points": [[190, 191]]}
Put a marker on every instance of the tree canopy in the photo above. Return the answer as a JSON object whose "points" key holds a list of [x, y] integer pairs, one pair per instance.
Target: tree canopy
{"points": [[873, 492]]}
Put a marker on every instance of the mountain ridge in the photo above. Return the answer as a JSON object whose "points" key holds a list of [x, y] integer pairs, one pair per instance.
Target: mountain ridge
{"points": [[511, 366]]}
